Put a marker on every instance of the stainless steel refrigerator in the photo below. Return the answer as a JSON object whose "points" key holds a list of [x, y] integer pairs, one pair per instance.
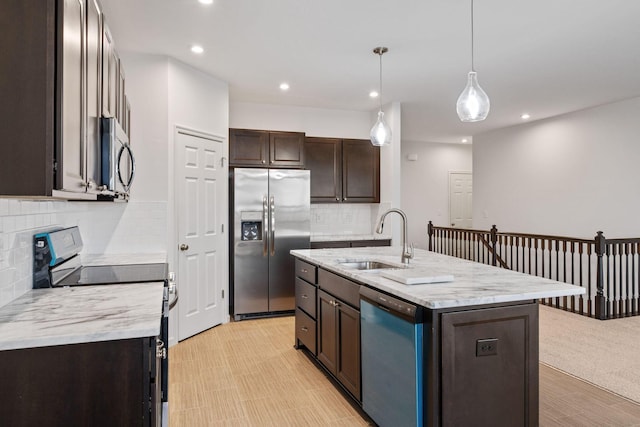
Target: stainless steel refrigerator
{"points": [[271, 216]]}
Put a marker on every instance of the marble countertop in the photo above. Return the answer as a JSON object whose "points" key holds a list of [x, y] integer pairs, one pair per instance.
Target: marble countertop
{"points": [[473, 284], [58, 316], [343, 237]]}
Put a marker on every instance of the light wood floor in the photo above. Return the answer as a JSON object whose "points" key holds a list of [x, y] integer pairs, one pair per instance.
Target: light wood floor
{"points": [[248, 374]]}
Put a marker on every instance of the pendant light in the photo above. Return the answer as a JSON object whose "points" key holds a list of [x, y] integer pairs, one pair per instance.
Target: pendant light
{"points": [[473, 103], [380, 132]]}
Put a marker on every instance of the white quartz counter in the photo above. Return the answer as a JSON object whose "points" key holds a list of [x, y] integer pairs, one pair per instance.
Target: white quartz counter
{"points": [[474, 283], [58, 316]]}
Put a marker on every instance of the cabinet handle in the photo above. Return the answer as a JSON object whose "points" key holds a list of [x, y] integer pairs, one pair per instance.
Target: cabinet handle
{"points": [[264, 161], [337, 199], [345, 199], [304, 270], [304, 329], [304, 296], [184, 247]]}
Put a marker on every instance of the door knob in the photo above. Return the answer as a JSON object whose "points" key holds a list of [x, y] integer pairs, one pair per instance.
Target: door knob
{"points": [[184, 247]]}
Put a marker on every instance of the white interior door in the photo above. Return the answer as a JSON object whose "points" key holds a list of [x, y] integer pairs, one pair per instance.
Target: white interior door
{"points": [[460, 199], [202, 198]]}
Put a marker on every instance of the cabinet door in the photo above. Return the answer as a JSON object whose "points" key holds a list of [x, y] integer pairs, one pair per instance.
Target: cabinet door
{"points": [[109, 73], [327, 351], [28, 97], [248, 147], [360, 171], [94, 90], [496, 350], [71, 121], [323, 157], [348, 350], [286, 149]]}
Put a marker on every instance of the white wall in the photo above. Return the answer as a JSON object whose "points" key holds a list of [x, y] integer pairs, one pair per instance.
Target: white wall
{"points": [[425, 184], [319, 122], [569, 175]]}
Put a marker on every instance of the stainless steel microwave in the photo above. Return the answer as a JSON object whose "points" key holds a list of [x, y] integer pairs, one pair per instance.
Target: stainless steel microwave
{"points": [[118, 162]]}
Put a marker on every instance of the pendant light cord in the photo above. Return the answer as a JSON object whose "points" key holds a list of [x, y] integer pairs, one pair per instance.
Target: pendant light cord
{"points": [[380, 95], [472, 65]]}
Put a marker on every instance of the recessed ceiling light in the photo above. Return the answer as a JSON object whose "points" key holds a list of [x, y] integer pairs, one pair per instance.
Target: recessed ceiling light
{"points": [[373, 94], [525, 116], [206, 1], [197, 49], [465, 140], [284, 86]]}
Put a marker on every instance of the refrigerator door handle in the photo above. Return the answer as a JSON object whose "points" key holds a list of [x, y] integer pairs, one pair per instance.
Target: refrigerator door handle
{"points": [[273, 226], [265, 221]]}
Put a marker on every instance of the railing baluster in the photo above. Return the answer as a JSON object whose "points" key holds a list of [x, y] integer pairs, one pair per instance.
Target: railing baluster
{"points": [[617, 278]]}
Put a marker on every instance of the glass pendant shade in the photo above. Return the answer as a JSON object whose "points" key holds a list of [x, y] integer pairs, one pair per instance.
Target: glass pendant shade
{"points": [[473, 103], [380, 132]]}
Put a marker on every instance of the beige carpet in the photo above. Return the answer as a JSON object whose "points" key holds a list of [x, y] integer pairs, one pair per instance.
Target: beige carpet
{"points": [[603, 352]]}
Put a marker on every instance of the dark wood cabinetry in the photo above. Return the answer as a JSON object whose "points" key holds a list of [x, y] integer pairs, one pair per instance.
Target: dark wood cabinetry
{"points": [[360, 171], [339, 329], [266, 148], [324, 160], [350, 243], [495, 350], [108, 383], [343, 170], [306, 305], [52, 68]]}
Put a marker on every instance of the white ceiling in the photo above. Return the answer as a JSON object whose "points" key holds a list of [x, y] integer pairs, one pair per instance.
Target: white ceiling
{"points": [[544, 57]]}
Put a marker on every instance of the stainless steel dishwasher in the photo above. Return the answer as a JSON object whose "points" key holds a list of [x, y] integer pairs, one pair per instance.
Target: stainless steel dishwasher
{"points": [[392, 359]]}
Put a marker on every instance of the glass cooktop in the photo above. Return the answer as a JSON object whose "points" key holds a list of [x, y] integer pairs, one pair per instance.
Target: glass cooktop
{"points": [[114, 274]]}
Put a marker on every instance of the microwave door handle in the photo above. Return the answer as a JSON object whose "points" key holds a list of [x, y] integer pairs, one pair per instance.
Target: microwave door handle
{"points": [[273, 226], [265, 222], [126, 185]]}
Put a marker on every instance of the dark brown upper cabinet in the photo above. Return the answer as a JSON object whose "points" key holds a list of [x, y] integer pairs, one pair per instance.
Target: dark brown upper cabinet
{"points": [[343, 170], [52, 70], [266, 148]]}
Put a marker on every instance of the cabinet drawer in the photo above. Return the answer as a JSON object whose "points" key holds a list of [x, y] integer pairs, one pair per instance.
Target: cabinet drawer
{"points": [[306, 297], [306, 271], [306, 330], [340, 287]]}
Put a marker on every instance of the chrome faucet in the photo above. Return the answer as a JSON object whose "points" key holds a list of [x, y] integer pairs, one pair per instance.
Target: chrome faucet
{"points": [[407, 250]]}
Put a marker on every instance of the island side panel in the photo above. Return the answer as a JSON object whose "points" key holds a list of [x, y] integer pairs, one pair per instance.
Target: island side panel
{"points": [[489, 362]]}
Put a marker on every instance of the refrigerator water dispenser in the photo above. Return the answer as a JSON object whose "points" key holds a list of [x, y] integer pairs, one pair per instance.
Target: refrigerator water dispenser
{"points": [[251, 225]]}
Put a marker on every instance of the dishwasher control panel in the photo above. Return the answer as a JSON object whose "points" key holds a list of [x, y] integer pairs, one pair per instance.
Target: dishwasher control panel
{"points": [[389, 303]]}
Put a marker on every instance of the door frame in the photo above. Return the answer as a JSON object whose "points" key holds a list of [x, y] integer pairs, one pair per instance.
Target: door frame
{"points": [[172, 220], [449, 193]]}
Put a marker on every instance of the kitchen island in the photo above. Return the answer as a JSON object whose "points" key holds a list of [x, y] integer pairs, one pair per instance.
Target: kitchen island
{"points": [[476, 337]]}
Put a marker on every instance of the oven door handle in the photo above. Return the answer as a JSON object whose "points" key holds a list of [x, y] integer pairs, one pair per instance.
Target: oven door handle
{"points": [[173, 290]]}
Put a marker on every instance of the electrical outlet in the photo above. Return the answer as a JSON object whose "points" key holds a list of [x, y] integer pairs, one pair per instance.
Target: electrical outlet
{"points": [[487, 347]]}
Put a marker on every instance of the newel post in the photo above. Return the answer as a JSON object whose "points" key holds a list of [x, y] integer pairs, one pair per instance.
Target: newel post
{"points": [[600, 303], [430, 234], [494, 245]]}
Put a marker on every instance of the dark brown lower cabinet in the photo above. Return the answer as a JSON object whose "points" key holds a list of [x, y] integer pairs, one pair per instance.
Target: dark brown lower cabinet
{"points": [[489, 362], [350, 243], [339, 341], [89, 384]]}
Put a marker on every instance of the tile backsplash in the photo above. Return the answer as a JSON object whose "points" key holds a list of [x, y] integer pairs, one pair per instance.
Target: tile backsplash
{"points": [[105, 228], [346, 218]]}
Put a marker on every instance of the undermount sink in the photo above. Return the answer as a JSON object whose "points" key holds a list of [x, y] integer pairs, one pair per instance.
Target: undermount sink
{"points": [[367, 265]]}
